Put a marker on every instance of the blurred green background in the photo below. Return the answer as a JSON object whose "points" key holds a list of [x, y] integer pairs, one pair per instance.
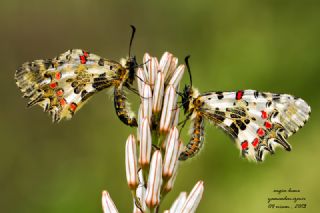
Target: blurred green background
{"points": [[266, 45]]}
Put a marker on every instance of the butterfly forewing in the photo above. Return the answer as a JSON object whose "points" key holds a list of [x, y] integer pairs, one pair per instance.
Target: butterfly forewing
{"points": [[62, 85], [257, 121]]}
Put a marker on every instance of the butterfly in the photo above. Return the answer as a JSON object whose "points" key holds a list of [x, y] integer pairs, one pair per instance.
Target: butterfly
{"points": [[62, 85], [257, 121]]}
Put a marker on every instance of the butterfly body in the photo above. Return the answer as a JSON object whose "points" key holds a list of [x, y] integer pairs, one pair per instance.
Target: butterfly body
{"points": [[62, 85], [197, 137], [122, 108], [257, 121]]}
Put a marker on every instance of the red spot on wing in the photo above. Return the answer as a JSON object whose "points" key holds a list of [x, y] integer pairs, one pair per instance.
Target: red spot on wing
{"points": [[58, 75], [267, 124], [53, 85], [264, 114], [73, 107], [59, 92], [86, 54], [63, 102], [244, 145], [255, 142], [261, 132], [239, 95], [83, 59]]}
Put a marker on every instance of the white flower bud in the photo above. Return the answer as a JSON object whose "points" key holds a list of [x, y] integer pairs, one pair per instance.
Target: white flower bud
{"points": [[140, 80], [131, 163], [158, 93], [177, 76], [171, 154], [154, 180], [151, 68], [194, 198], [145, 144], [168, 109], [107, 203], [147, 102], [179, 202]]}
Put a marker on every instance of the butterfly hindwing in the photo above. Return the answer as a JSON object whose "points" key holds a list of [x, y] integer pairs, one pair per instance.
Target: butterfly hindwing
{"points": [[257, 121], [62, 85]]}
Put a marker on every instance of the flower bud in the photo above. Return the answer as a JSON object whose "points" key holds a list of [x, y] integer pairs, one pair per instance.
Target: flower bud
{"points": [[165, 63], [168, 109], [147, 102], [131, 163], [154, 181], [107, 203], [177, 76], [179, 202], [140, 79], [151, 68], [171, 154], [194, 198], [158, 93], [145, 144]]}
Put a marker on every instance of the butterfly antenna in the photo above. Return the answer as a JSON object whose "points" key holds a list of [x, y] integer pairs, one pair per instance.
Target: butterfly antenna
{"points": [[188, 68], [131, 39]]}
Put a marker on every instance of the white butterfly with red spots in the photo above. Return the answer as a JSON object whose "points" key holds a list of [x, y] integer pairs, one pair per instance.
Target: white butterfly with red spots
{"points": [[62, 85], [257, 121]]}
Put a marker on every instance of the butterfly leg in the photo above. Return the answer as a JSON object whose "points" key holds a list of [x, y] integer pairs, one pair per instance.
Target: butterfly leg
{"points": [[184, 122], [135, 91]]}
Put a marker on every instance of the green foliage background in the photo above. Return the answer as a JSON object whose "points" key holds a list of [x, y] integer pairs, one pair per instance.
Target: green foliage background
{"points": [[268, 45]]}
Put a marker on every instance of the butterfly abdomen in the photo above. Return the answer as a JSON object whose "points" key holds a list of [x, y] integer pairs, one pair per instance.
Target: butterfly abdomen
{"points": [[122, 108], [197, 137]]}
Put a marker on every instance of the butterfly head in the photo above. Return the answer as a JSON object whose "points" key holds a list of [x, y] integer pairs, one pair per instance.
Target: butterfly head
{"points": [[186, 97], [131, 65]]}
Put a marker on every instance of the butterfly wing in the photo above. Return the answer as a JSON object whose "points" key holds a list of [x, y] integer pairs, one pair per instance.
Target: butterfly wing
{"points": [[257, 121], [62, 85]]}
